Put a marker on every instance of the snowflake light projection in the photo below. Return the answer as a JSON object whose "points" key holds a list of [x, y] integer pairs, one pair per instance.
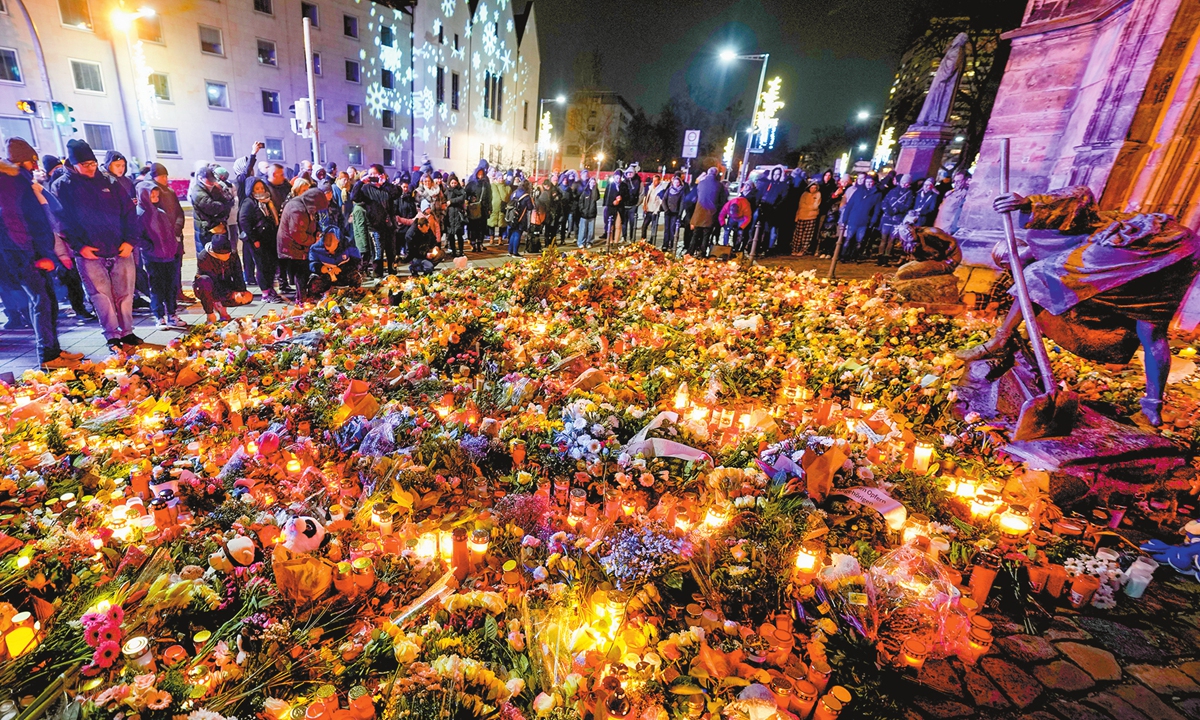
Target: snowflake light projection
{"points": [[489, 38], [448, 7]]}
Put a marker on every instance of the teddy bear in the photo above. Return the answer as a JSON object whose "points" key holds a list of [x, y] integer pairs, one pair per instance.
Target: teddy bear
{"points": [[303, 535]]}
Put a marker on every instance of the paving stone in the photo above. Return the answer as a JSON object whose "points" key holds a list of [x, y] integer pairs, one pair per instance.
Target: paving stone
{"points": [[1145, 701], [1017, 684], [1191, 708], [939, 675], [1171, 644], [1114, 706], [1121, 640], [982, 691], [1164, 680], [1072, 710], [1002, 627], [1098, 663], [943, 708], [1027, 648], [1192, 669], [1063, 628], [1063, 676]]}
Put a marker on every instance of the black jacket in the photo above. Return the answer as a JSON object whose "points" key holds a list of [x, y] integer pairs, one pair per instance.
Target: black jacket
{"points": [[587, 202], [210, 206], [419, 242], [375, 199]]}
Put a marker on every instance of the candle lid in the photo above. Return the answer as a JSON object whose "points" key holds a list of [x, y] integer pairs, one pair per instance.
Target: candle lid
{"points": [[135, 646], [842, 694], [361, 564], [202, 636], [979, 621]]}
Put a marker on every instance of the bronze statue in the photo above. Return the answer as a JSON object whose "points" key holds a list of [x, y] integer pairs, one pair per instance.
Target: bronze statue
{"points": [[929, 276], [1103, 282], [939, 101]]}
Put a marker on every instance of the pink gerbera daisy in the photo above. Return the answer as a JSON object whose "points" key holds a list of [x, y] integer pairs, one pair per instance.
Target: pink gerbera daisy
{"points": [[91, 635], [106, 654], [110, 633], [116, 615]]}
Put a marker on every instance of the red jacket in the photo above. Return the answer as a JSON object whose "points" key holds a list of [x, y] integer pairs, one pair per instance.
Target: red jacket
{"points": [[739, 209]]}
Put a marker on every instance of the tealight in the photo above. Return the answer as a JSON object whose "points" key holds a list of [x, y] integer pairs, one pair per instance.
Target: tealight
{"points": [[922, 454], [1015, 522]]}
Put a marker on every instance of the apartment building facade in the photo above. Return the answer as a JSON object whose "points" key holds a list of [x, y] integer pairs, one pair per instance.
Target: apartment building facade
{"points": [[184, 82]]}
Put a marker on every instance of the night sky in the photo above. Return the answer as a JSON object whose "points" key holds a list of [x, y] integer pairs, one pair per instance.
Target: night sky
{"points": [[835, 57]]}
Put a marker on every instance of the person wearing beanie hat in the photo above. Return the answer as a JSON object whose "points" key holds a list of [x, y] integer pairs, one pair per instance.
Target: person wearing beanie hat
{"points": [[169, 202], [210, 205], [27, 254], [99, 223], [219, 281], [50, 163]]}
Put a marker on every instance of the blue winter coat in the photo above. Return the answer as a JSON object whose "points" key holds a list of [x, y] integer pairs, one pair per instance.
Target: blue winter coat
{"points": [[863, 209], [26, 235], [157, 231], [95, 213], [346, 256]]}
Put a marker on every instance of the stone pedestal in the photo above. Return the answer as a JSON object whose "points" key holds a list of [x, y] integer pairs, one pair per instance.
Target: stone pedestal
{"points": [[921, 150]]}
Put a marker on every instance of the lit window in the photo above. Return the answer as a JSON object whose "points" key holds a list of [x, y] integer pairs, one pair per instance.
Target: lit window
{"points": [[211, 41], [218, 94], [270, 102], [75, 14], [267, 54], [353, 114], [87, 76], [162, 88], [149, 29], [222, 146], [354, 154], [274, 148], [350, 26], [166, 141]]}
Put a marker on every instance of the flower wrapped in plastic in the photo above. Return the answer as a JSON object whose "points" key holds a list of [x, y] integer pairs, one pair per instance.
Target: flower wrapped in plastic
{"points": [[845, 590], [916, 597]]}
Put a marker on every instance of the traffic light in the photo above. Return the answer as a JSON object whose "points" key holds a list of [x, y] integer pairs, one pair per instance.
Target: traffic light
{"points": [[62, 114], [29, 107]]}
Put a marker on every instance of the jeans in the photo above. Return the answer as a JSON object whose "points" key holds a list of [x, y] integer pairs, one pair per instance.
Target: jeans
{"points": [[109, 283], [853, 241], [201, 238], [163, 293], [734, 235], [630, 221], [421, 266], [587, 232], [670, 227], [514, 241], [650, 222], [32, 292], [886, 242], [700, 239], [249, 266]]}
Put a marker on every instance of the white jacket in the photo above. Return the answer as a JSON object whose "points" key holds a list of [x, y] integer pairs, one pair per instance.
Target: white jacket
{"points": [[652, 202]]}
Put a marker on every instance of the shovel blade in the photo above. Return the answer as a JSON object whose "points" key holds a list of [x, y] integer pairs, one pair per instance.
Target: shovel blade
{"points": [[1050, 415]]}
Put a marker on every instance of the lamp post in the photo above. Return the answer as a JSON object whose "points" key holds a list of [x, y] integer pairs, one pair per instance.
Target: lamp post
{"points": [[730, 56], [37, 48], [865, 115], [559, 99], [124, 21]]}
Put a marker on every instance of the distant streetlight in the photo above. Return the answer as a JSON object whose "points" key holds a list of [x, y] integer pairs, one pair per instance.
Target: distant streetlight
{"points": [[862, 147], [728, 55], [959, 138], [560, 99], [124, 20], [863, 115]]}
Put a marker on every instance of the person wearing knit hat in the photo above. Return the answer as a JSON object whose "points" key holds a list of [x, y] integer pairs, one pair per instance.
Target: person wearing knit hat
{"points": [[99, 223], [219, 280], [27, 253]]}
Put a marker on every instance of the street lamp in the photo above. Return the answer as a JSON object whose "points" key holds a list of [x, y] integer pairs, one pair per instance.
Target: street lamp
{"points": [[599, 163], [863, 115], [124, 22], [728, 56], [559, 99]]}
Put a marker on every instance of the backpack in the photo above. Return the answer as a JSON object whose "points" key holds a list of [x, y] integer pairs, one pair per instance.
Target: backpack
{"points": [[513, 213]]}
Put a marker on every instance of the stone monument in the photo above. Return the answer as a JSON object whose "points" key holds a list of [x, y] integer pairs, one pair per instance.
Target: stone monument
{"points": [[922, 146]]}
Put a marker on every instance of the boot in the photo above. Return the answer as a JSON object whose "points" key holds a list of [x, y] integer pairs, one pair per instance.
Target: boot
{"points": [[379, 269], [996, 347], [1152, 410]]}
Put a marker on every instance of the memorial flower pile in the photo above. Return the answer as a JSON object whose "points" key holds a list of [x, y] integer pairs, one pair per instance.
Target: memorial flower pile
{"points": [[624, 486]]}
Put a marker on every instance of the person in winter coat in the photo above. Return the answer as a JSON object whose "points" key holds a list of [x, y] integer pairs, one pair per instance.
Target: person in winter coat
{"points": [[897, 203], [376, 197], [258, 224], [501, 192], [298, 231], [404, 212], [587, 206], [219, 281], [671, 197], [456, 215], [27, 253], [430, 198], [479, 206], [542, 222], [210, 206], [807, 213], [564, 212], [422, 242], [116, 169], [710, 198], [771, 201], [516, 217], [615, 193], [735, 217], [861, 217], [99, 223], [333, 262], [159, 247], [926, 205], [651, 207]]}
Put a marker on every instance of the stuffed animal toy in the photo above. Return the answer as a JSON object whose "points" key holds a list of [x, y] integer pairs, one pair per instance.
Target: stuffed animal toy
{"points": [[238, 552], [303, 535]]}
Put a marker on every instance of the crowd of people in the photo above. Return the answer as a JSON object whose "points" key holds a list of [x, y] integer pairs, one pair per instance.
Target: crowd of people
{"points": [[115, 238]]}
